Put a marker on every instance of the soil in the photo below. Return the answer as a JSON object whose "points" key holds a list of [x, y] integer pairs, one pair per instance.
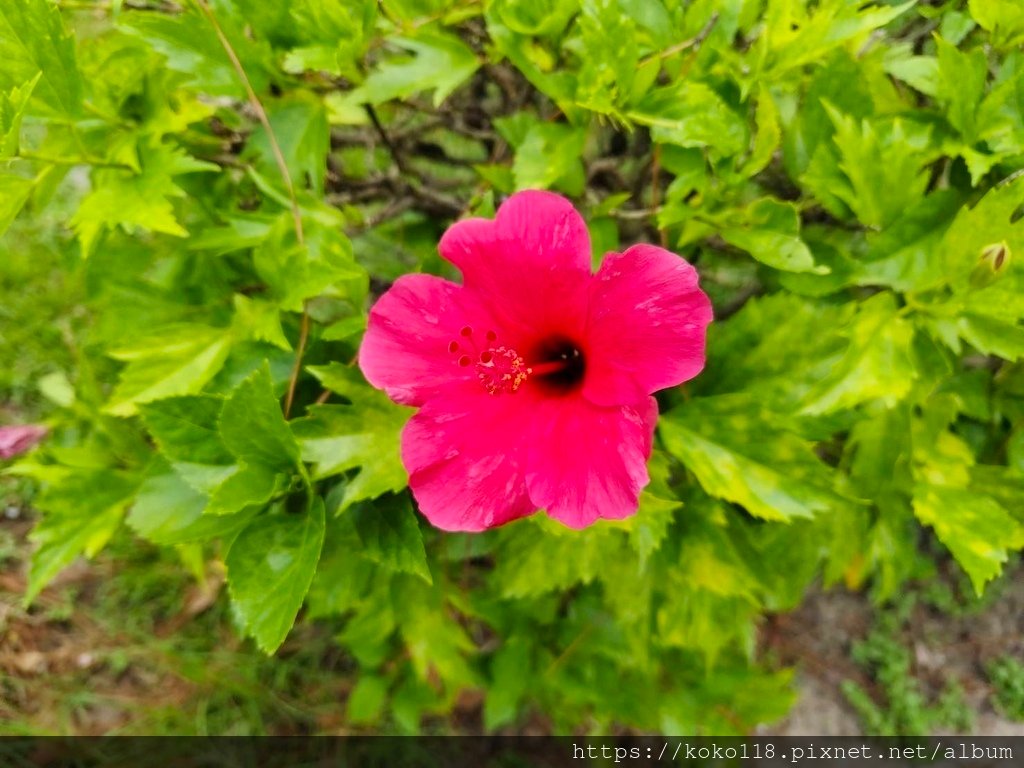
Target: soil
{"points": [[817, 639]]}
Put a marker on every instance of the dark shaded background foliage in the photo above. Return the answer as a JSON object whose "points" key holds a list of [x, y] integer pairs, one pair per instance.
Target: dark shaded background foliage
{"points": [[239, 178]]}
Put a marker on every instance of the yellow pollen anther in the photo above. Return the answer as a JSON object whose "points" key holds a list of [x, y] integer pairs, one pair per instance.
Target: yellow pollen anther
{"points": [[498, 368]]}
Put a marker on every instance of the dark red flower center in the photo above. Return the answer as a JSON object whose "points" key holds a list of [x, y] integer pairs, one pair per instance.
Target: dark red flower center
{"points": [[560, 363], [557, 362]]}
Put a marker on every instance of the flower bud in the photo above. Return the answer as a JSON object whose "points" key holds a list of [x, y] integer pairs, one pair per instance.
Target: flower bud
{"points": [[993, 262], [17, 440]]}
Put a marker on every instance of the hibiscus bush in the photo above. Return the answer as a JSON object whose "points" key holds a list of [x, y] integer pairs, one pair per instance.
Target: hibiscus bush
{"points": [[250, 181]]}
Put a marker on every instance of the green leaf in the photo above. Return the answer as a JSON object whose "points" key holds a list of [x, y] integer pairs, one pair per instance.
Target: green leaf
{"points": [[440, 62], [136, 201], [978, 530], [253, 427], [992, 335], [35, 44], [690, 114], [906, 255], [185, 428], [364, 435], [510, 682], [270, 567], [14, 193], [300, 126], [610, 57], [993, 219], [260, 320], [704, 622], [336, 32], [549, 155], [877, 364], [1003, 18], [768, 137], [658, 504], [249, 485], [322, 265], [169, 511], [920, 72], [191, 46], [12, 110], [437, 643], [83, 511], [170, 361], [367, 699], [883, 165], [391, 535], [961, 86], [343, 578], [539, 17], [795, 37], [540, 556], [769, 230], [738, 455]]}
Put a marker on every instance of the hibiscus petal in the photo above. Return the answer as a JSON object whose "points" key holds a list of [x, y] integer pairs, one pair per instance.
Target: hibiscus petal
{"points": [[647, 325], [406, 348], [531, 263], [587, 462], [464, 451]]}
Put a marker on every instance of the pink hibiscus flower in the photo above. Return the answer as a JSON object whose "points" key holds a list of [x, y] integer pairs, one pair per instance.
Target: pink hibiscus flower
{"points": [[534, 377], [16, 440]]}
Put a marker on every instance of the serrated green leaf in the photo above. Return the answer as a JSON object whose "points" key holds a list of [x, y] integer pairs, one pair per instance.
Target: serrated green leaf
{"points": [[992, 335], [438, 645], [1003, 18], [738, 456], [302, 134], [391, 535], [539, 559], [335, 34], [690, 114], [769, 230], [993, 219], [249, 485], [548, 155], [344, 580], [768, 136], [169, 511], [440, 63], [83, 510], [136, 201], [978, 530], [191, 46], [34, 43], [185, 428], [367, 699], [254, 429], [364, 435], [322, 265], [961, 86], [795, 37], [883, 165], [260, 321], [172, 361], [12, 110], [877, 364], [14, 193], [906, 255], [270, 567], [510, 682]]}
